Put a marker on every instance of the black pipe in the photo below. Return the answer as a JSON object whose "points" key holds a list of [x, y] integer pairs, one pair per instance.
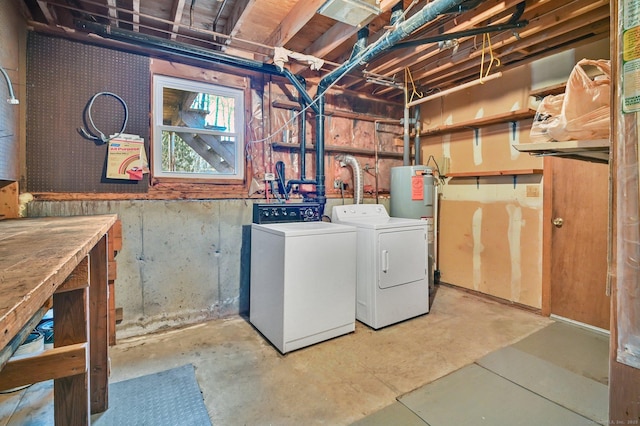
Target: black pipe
{"points": [[397, 13], [193, 52], [361, 42], [303, 141], [320, 177]]}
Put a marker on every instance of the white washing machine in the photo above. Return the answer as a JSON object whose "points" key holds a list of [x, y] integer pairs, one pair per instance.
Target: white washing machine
{"points": [[303, 282], [392, 258]]}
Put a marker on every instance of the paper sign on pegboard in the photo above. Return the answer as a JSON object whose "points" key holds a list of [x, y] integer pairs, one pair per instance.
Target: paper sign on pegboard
{"points": [[127, 158]]}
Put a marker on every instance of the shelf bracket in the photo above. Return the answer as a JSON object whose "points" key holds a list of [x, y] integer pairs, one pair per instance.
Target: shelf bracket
{"points": [[476, 135], [515, 181], [477, 182], [514, 130]]}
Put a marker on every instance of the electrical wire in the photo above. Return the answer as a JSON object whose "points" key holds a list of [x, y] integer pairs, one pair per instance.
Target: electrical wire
{"points": [[88, 134]]}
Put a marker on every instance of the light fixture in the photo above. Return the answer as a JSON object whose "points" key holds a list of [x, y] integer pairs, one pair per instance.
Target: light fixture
{"points": [[12, 99], [352, 12]]}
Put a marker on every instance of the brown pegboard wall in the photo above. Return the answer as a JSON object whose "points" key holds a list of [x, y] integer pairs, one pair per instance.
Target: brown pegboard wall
{"points": [[62, 78]]}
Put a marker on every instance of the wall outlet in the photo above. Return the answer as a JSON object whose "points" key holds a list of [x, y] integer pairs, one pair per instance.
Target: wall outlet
{"points": [[533, 191], [269, 176], [337, 184]]}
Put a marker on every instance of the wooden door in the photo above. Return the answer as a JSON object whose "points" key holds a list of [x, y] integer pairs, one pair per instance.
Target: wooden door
{"points": [[578, 253]]}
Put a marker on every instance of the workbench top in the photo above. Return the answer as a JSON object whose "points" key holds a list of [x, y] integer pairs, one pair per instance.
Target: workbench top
{"points": [[36, 256]]}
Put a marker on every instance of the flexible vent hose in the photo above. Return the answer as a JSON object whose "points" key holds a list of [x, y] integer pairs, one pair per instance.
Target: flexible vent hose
{"points": [[358, 182]]}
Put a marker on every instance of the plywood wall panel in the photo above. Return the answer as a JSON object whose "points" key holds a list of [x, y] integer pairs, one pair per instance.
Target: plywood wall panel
{"points": [[492, 248]]}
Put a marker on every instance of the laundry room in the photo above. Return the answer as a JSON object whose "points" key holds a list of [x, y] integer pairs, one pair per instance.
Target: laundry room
{"points": [[360, 196]]}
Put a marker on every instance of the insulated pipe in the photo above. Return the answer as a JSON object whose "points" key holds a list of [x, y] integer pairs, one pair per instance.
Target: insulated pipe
{"points": [[428, 13], [358, 181]]}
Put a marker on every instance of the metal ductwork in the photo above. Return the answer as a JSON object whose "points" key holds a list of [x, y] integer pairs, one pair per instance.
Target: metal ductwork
{"points": [[358, 180]]}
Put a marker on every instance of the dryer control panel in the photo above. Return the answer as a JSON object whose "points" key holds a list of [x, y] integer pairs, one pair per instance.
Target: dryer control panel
{"points": [[280, 213]]}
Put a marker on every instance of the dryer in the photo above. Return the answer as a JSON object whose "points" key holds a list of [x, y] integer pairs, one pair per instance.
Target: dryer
{"points": [[392, 280]]}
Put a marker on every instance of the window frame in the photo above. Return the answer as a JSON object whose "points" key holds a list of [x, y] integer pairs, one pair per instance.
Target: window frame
{"points": [[159, 82]]}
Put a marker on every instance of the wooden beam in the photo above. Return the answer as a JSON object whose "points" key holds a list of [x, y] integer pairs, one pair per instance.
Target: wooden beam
{"points": [[241, 9], [136, 15], [177, 9], [51, 364], [48, 14], [99, 331], [335, 36], [113, 13], [78, 279], [297, 18]]}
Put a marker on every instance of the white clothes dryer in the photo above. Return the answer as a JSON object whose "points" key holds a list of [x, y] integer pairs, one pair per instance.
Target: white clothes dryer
{"points": [[392, 280]]}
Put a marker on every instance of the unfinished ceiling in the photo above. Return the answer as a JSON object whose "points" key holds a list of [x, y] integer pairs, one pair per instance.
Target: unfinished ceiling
{"points": [[327, 30]]}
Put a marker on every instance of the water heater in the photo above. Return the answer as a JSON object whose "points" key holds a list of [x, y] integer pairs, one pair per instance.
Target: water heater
{"points": [[412, 192]]}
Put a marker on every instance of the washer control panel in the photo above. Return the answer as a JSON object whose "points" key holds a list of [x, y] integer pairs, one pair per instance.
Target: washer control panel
{"points": [[279, 213]]}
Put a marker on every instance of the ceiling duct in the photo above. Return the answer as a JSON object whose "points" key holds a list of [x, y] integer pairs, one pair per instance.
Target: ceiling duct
{"points": [[352, 12]]}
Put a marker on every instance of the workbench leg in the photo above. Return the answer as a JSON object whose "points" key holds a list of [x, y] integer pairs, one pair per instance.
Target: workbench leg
{"points": [[99, 332], [71, 394]]}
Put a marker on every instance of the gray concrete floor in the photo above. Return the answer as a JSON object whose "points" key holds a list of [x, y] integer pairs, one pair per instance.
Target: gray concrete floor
{"points": [[246, 381]]}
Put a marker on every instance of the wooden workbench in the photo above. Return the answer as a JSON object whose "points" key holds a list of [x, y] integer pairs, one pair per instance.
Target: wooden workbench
{"points": [[60, 262]]}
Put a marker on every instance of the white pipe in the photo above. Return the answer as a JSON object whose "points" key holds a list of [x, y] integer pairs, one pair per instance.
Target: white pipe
{"points": [[358, 183], [12, 98], [454, 89], [435, 227]]}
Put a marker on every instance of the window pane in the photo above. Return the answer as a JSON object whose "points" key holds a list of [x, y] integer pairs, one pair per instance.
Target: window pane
{"points": [[189, 152], [198, 110]]}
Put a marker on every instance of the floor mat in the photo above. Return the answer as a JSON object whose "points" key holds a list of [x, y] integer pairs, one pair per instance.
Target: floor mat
{"points": [[170, 397], [566, 388], [474, 395]]}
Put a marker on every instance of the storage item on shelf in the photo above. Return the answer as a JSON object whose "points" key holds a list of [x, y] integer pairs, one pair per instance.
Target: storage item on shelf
{"points": [[582, 112]]}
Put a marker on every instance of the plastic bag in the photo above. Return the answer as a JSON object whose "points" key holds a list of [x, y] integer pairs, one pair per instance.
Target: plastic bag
{"points": [[584, 107]]}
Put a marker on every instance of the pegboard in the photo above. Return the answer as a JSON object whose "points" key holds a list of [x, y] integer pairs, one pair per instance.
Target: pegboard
{"points": [[62, 78]]}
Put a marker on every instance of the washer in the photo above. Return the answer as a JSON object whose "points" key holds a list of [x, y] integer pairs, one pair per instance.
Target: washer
{"points": [[303, 282], [392, 264]]}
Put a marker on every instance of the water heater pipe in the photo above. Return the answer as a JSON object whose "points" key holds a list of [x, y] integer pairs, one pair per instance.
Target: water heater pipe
{"points": [[358, 182]]}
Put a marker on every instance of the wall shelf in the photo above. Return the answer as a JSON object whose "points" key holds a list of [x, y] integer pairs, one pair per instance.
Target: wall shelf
{"points": [[492, 173], [596, 151], [339, 149], [495, 173], [556, 89], [511, 116]]}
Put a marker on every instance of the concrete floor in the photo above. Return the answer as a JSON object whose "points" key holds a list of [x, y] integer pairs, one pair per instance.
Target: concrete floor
{"points": [[246, 381]]}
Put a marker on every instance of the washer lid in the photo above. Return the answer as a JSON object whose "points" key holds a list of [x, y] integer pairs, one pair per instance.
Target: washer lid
{"points": [[296, 229], [385, 223]]}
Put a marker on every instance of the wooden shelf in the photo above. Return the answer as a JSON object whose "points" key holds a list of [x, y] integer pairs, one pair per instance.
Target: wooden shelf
{"points": [[596, 151], [480, 122], [339, 149], [549, 90], [477, 174]]}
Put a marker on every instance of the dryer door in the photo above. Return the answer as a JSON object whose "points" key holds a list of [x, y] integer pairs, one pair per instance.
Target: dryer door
{"points": [[402, 256]]}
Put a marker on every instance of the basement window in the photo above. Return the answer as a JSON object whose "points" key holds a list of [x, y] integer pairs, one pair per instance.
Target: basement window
{"points": [[197, 130]]}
